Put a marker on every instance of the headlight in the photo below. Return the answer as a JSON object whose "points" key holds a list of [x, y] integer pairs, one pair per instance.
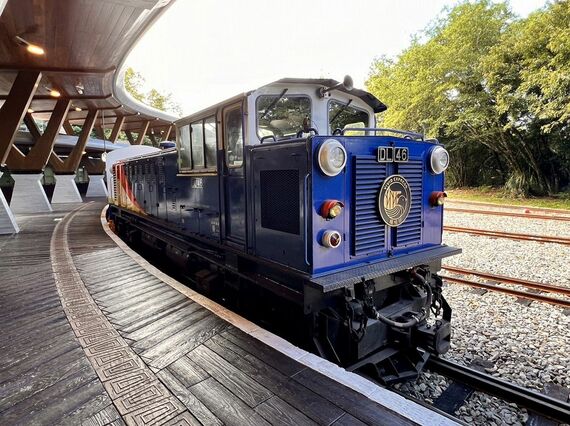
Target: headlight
{"points": [[439, 159], [331, 157]]}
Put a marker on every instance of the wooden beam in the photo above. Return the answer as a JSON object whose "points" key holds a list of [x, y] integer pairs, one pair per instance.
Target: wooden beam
{"points": [[39, 155], [72, 161], [64, 96], [99, 132], [68, 128], [15, 108], [142, 133], [130, 137], [166, 133], [116, 129], [32, 126]]}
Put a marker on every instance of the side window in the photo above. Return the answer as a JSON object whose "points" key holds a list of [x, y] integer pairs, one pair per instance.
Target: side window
{"points": [[184, 152], [197, 146], [233, 132], [210, 142]]}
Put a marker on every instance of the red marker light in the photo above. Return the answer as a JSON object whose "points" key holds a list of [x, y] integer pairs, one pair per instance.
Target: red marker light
{"points": [[331, 209], [437, 198]]}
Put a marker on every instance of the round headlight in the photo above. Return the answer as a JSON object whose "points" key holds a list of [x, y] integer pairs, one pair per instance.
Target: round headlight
{"points": [[331, 157], [439, 159]]}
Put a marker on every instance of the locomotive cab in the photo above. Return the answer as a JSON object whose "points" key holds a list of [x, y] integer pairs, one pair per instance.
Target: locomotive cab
{"points": [[292, 190]]}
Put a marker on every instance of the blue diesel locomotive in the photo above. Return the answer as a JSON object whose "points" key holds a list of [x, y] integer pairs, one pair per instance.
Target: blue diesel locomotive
{"points": [[289, 193]]}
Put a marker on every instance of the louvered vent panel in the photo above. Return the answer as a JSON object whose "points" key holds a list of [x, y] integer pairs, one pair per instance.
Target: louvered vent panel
{"points": [[410, 232], [369, 234]]}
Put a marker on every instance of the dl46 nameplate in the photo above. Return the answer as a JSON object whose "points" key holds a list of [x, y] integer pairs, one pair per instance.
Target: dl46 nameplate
{"points": [[388, 154]]}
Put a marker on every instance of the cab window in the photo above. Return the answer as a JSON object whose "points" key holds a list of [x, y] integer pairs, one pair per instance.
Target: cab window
{"points": [[234, 137], [281, 115], [343, 115]]}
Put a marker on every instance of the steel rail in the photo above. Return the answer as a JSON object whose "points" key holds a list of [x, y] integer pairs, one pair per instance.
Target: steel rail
{"points": [[509, 206], [511, 280], [511, 291], [509, 214], [509, 235], [535, 401]]}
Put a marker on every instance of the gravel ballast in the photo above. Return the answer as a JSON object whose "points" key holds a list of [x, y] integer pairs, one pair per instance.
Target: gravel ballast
{"points": [[526, 345]]}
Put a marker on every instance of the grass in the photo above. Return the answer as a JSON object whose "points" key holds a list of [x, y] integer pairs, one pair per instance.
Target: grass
{"points": [[497, 196]]}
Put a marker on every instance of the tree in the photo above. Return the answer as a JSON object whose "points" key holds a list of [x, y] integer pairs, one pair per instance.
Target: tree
{"points": [[134, 82], [472, 81]]}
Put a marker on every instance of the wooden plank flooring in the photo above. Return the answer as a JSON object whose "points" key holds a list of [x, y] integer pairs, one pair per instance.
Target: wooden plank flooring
{"points": [[123, 330]]}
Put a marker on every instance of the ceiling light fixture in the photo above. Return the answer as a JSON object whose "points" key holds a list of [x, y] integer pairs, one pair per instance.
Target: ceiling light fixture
{"points": [[78, 109], [80, 88], [30, 110], [34, 49], [53, 92]]}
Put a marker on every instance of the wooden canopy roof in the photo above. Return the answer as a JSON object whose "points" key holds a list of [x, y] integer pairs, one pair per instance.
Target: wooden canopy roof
{"points": [[85, 43]]}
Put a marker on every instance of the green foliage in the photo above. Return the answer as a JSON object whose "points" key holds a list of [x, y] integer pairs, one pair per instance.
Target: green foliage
{"points": [[134, 82], [493, 88]]}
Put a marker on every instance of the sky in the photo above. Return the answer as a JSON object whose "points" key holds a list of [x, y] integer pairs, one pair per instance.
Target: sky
{"points": [[206, 51]]}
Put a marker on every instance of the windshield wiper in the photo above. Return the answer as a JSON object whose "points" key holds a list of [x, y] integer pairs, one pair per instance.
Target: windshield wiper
{"points": [[340, 111], [272, 104]]}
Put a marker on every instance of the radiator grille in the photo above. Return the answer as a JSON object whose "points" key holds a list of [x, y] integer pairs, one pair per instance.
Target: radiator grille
{"points": [[280, 200], [369, 230], [410, 232]]}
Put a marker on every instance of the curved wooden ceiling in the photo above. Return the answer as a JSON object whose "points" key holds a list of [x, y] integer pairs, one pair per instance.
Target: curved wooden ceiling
{"points": [[85, 42]]}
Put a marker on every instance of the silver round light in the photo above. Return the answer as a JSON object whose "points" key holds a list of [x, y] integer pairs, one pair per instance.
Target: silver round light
{"points": [[331, 239], [331, 157], [439, 160]]}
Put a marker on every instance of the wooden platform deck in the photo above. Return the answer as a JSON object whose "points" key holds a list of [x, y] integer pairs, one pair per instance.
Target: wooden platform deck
{"points": [[90, 337]]}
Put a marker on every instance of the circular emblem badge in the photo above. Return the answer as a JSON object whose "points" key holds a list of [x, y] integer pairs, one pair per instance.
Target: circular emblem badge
{"points": [[394, 200]]}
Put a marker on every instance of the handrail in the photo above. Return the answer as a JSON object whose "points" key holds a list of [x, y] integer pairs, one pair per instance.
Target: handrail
{"points": [[268, 137], [379, 129]]}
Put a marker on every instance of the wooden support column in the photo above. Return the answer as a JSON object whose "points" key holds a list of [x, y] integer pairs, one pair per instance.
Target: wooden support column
{"points": [[71, 163], [142, 133], [15, 108], [99, 132], [41, 151], [117, 129], [32, 126], [166, 133], [130, 137], [68, 128], [153, 139]]}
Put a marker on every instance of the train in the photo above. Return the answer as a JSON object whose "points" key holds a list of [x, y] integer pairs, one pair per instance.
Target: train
{"points": [[288, 198]]}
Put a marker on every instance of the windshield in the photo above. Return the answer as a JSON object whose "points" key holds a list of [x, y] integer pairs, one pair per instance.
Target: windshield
{"points": [[282, 116], [343, 115]]}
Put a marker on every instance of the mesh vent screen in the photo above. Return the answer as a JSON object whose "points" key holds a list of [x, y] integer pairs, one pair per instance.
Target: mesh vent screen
{"points": [[280, 200]]}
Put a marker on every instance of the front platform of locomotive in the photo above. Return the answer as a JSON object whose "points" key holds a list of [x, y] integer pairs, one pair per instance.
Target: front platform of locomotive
{"points": [[373, 219]]}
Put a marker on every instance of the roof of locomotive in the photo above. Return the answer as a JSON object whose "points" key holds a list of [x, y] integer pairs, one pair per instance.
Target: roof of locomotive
{"points": [[367, 97]]}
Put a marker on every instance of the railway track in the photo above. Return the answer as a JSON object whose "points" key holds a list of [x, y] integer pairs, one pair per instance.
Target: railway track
{"points": [[510, 207], [542, 404], [509, 235], [501, 279], [510, 214]]}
